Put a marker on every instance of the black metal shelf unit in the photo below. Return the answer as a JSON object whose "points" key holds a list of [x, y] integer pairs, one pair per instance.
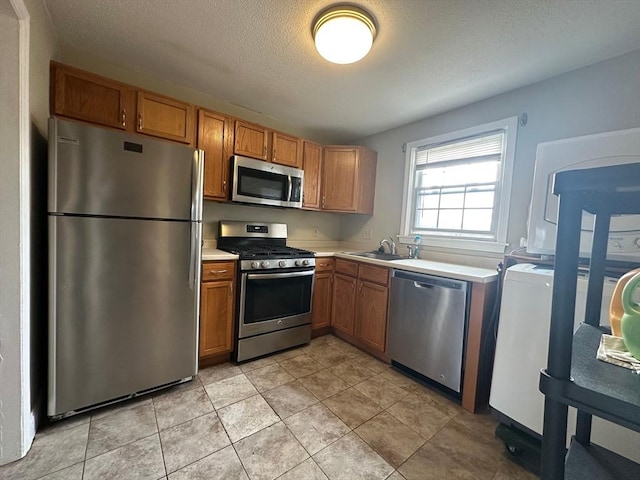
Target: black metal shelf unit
{"points": [[573, 375]]}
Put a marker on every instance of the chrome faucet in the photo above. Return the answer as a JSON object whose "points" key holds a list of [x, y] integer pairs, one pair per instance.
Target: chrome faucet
{"points": [[390, 243]]}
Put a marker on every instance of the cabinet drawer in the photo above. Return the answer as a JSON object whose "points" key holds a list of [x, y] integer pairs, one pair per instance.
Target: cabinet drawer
{"points": [[218, 271], [374, 274], [346, 267], [324, 264]]}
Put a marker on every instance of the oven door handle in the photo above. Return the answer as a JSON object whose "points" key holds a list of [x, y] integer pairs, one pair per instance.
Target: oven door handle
{"points": [[269, 276]]}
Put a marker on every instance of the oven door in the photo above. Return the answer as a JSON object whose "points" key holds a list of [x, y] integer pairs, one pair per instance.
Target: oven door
{"points": [[274, 301]]}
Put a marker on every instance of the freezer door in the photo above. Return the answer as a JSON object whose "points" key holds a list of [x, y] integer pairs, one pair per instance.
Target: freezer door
{"points": [[95, 171], [123, 317]]}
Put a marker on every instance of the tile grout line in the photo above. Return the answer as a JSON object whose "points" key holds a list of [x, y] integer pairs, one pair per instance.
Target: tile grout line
{"points": [[86, 448], [155, 416]]}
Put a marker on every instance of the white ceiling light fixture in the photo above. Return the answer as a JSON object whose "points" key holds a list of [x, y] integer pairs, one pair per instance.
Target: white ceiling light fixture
{"points": [[344, 33]]}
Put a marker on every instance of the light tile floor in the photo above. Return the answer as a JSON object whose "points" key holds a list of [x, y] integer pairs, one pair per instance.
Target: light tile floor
{"points": [[323, 411]]}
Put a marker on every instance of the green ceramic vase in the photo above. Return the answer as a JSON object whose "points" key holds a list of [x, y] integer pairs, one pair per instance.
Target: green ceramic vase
{"points": [[630, 322]]}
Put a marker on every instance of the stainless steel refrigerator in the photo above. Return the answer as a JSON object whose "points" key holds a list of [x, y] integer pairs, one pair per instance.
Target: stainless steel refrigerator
{"points": [[125, 228]]}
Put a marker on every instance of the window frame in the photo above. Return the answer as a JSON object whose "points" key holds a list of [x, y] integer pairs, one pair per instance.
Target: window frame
{"points": [[503, 189]]}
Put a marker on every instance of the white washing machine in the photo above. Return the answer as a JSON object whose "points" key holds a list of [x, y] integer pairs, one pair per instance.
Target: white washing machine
{"points": [[521, 352]]}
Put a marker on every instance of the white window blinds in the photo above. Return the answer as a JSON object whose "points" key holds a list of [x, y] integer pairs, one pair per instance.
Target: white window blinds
{"points": [[473, 149]]}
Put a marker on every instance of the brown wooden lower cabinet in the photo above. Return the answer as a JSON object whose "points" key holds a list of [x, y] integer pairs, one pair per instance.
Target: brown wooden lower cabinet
{"points": [[217, 308], [344, 303], [360, 300], [322, 294], [371, 314]]}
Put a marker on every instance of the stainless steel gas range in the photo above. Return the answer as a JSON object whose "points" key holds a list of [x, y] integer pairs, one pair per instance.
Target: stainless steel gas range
{"points": [[276, 285]]}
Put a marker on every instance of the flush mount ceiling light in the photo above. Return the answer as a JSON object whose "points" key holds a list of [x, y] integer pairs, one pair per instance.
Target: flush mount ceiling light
{"points": [[343, 33]]}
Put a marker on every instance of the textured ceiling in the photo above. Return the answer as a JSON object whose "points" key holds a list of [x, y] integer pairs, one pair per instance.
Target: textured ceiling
{"points": [[429, 56]]}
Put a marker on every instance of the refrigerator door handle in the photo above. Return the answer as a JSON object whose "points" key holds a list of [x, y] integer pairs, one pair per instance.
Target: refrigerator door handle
{"points": [[194, 257], [197, 180]]}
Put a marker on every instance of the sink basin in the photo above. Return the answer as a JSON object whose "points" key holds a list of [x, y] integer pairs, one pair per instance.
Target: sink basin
{"points": [[379, 256]]}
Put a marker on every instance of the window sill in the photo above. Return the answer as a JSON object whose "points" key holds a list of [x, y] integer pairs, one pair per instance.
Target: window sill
{"points": [[457, 244]]}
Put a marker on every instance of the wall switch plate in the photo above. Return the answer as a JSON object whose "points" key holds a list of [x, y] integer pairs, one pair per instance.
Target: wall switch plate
{"points": [[367, 234]]}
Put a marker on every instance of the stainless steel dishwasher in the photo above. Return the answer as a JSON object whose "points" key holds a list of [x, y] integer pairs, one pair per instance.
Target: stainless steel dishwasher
{"points": [[427, 320]]}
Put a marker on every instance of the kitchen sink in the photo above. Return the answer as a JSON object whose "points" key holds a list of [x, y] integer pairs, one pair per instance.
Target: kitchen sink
{"points": [[379, 255]]}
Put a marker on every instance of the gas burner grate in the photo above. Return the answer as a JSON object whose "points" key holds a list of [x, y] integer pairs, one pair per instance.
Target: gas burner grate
{"points": [[267, 251]]}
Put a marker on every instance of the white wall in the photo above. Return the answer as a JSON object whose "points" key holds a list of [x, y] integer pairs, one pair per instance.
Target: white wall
{"points": [[301, 223], [16, 427], [25, 49], [598, 98]]}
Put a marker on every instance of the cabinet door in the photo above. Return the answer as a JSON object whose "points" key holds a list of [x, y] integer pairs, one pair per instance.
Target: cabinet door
{"points": [[213, 133], [322, 293], [287, 150], [339, 179], [216, 318], [165, 118], [312, 165], [344, 303], [250, 140], [371, 321], [83, 96]]}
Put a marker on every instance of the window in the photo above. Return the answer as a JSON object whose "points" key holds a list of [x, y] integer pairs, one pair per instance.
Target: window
{"points": [[457, 187]]}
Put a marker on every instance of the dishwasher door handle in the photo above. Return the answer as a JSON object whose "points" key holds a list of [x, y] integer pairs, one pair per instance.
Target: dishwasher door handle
{"points": [[422, 285]]}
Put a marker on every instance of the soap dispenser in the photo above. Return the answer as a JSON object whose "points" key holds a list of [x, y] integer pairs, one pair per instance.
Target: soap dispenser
{"points": [[416, 241]]}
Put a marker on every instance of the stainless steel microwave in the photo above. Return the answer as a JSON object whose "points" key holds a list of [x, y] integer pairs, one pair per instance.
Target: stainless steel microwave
{"points": [[264, 183]]}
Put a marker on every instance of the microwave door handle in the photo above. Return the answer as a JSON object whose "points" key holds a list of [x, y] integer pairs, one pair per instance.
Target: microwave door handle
{"points": [[290, 188]]}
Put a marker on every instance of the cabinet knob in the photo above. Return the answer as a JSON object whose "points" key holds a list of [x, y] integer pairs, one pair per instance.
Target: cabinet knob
{"points": [[124, 117], [217, 272], [264, 152], [224, 186], [274, 154], [139, 121]]}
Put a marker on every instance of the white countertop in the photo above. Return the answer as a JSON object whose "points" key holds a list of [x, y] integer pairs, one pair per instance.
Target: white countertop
{"points": [[448, 270], [440, 269], [215, 254]]}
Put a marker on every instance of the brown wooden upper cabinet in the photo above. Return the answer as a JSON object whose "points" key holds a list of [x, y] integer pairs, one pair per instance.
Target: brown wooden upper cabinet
{"points": [[215, 134], [251, 140], [91, 98], [286, 150], [84, 96], [255, 141], [164, 117], [312, 166], [348, 179]]}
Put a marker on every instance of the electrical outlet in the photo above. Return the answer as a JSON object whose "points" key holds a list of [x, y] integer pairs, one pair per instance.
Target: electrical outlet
{"points": [[315, 231], [367, 234]]}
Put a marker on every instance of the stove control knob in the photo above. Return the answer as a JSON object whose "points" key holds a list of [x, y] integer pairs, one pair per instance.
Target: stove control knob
{"points": [[282, 263], [297, 263], [305, 262], [264, 264], [254, 265]]}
